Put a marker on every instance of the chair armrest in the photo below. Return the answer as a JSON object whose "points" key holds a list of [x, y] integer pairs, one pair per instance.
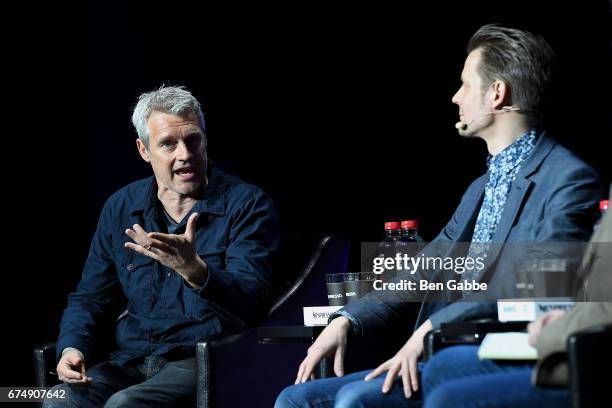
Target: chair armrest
{"points": [[44, 365], [480, 327], [283, 334], [431, 344], [468, 332], [589, 356], [205, 365]]}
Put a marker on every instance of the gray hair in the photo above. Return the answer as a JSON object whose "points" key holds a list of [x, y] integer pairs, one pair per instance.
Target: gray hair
{"points": [[173, 100]]}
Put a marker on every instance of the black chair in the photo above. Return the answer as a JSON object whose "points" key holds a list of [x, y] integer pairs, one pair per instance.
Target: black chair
{"points": [[44, 365], [302, 263], [588, 356], [237, 370]]}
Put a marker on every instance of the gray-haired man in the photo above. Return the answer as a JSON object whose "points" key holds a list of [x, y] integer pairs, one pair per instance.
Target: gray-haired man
{"points": [[186, 253]]}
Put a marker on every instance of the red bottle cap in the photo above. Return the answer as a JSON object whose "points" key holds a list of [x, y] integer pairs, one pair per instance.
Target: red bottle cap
{"points": [[410, 224], [392, 225], [603, 205]]}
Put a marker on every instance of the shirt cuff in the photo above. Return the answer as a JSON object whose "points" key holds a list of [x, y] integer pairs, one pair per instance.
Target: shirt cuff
{"points": [[67, 349], [213, 292], [210, 286], [355, 325], [436, 320], [71, 341]]}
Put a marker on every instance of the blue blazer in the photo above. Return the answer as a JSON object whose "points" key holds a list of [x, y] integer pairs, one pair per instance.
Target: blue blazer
{"points": [[554, 198]]}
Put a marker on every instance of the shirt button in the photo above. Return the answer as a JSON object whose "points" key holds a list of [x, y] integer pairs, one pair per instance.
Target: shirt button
{"points": [[130, 267], [169, 274]]}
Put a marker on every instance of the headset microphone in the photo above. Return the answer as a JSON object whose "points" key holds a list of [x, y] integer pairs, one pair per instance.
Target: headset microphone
{"points": [[462, 126]]}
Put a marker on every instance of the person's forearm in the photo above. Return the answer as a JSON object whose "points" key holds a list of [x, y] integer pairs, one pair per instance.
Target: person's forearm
{"points": [[424, 328]]}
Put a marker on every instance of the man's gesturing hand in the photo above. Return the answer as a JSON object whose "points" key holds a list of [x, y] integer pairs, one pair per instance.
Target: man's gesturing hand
{"points": [[71, 368], [331, 342], [177, 252]]}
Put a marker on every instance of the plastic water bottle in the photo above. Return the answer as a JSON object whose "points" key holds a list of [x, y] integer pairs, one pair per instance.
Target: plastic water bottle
{"points": [[409, 243], [387, 246]]}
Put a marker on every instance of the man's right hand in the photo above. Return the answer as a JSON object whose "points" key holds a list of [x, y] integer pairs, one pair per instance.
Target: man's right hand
{"points": [[71, 368], [535, 328], [331, 342]]}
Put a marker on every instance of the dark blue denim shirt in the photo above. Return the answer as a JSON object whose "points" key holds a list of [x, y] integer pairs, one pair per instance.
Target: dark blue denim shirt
{"points": [[237, 236]]}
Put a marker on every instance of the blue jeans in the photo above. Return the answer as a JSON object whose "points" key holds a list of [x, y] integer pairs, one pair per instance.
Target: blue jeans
{"points": [[344, 392], [155, 382], [455, 377]]}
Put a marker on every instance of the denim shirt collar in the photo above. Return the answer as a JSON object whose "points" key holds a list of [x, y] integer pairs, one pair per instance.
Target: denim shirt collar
{"points": [[211, 202]]}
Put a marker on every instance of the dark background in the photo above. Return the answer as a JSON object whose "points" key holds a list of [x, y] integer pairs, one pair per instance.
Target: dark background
{"points": [[341, 112]]}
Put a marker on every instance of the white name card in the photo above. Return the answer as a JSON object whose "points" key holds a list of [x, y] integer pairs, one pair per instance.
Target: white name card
{"points": [[318, 315]]}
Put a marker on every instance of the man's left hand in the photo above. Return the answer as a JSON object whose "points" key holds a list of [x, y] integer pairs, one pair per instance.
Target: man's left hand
{"points": [[177, 252], [404, 363]]}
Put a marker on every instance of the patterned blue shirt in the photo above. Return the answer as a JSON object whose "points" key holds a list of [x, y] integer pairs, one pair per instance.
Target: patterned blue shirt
{"points": [[503, 168]]}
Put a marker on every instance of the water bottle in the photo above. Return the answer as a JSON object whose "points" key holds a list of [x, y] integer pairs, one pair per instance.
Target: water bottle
{"points": [[386, 247], [409, 243]]}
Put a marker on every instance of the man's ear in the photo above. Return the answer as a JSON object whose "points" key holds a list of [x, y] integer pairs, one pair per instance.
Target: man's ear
{"points": [[142, 149], [500, 95]]}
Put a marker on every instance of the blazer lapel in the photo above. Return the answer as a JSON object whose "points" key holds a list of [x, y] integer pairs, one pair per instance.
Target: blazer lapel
{"points": [[466, 228], [520, 188], [519, 192]]}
